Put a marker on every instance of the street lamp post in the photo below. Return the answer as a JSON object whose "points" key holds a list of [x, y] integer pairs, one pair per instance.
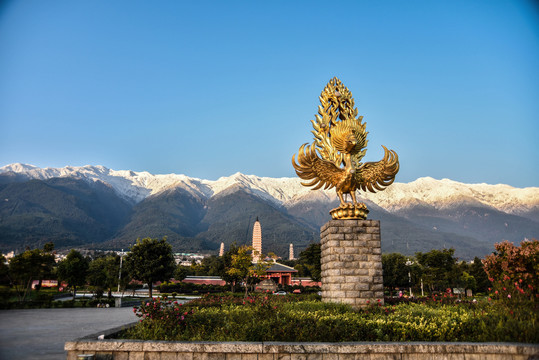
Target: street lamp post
{"points": [[120, 272], [408, 264]]}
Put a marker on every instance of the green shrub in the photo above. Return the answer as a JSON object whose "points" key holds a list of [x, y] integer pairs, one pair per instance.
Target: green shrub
{"points": [[190, 288]]}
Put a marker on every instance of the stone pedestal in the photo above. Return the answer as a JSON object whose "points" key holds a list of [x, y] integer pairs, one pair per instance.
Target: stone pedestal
{"points": [[351, 262]]}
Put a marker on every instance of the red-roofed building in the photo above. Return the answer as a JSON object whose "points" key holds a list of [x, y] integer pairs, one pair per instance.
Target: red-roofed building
{"points": [[281, 274]]}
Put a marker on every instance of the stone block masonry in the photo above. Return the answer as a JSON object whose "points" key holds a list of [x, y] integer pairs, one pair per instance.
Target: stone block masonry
{"points": [[161, 350], [351, 260]]}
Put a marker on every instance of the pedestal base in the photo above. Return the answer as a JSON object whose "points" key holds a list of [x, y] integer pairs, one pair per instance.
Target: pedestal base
{"points": [[351, 259], [351, 211]]}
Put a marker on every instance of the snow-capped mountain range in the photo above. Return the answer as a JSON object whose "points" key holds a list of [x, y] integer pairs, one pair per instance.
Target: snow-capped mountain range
{"points": [[96, 207], [426, 191]]}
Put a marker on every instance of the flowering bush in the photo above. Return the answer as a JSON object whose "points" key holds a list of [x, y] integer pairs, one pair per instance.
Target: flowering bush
{"points": [[514, 272], [161, 318]]}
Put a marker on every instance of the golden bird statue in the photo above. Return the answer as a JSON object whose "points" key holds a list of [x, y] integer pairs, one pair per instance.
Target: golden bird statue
{"points": [[333, 159]]}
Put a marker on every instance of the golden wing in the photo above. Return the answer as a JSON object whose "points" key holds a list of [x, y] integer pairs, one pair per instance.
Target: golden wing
{"points": [[374, 176], [310, 167]]}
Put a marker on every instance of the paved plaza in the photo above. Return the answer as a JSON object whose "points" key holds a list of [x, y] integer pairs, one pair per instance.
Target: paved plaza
{"points": [[41, 333]]}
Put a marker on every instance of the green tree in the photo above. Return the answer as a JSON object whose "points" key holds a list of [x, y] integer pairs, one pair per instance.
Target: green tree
{"points": [[309, 264], [181, 272], [48, 247], [48, 263], [151, 260], [395, 271], [478, 272], [97, 277], [468, 272], [439, 269], [23, 269], [73, 270], [231, 279], [28, 266], [209, 266], [242, 267], [468, 281], [215, 265], [4, 270], [103, 273]]}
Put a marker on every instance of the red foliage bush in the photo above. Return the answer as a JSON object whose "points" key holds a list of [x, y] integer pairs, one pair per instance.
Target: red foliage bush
{"points": [[514, 271]]}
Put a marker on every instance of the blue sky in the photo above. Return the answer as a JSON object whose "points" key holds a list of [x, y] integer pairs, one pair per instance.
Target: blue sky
{"points": [[210, 88]]}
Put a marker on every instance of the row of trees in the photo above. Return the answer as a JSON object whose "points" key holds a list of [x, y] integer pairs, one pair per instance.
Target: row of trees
{"points": [[151, 260], [23, 269], [235, 266], [436, 270]]}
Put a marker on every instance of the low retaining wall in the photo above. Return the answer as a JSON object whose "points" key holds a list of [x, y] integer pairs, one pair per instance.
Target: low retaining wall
{"points": [[109, 349]]}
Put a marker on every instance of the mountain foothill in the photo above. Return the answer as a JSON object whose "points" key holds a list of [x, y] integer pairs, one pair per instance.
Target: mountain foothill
{"points": [[98, 208]]}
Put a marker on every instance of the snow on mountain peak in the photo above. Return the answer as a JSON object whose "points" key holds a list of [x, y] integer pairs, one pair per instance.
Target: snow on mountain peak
{"points": [[136, 186], [445, 193], [18, 167]]}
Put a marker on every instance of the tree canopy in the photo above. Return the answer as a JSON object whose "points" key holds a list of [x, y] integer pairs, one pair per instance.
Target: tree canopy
{"points": [[30, 265], [73, 270], [242, 267], [309, 264], [151, 260], [395, 270], [103, 274]]}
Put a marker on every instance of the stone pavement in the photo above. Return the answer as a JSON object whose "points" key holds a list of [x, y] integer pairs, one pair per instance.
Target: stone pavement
{"points": [[41, 333]]}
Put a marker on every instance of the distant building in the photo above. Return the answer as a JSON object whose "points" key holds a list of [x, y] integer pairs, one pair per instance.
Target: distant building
{"points": [[48, 284], [281, 274], [8, 256], [186, 259], [257, 241], [59, 257], [291, 252]]}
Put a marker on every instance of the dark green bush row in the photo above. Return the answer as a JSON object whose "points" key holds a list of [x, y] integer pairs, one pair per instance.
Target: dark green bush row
{"points": [[190, 288], [41, 304]]}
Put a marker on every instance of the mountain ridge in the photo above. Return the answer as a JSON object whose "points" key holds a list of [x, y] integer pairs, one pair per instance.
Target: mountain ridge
{"points": [[197, 214], [136, 186]]}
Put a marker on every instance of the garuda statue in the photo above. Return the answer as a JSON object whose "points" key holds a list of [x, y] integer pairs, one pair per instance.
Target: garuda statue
{"points": [[333, 159]]}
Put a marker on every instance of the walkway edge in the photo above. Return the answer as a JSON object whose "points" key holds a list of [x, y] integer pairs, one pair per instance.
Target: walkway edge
{"points": [[205, 350]]}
